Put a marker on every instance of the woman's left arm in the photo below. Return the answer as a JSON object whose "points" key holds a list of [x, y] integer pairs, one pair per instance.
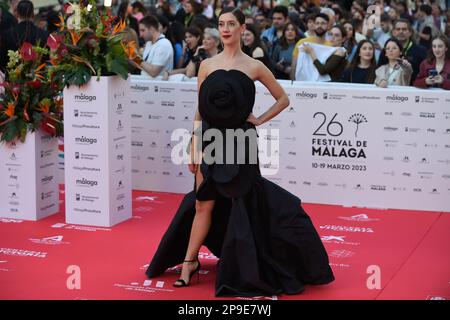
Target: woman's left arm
{"points": [[265, 76]]}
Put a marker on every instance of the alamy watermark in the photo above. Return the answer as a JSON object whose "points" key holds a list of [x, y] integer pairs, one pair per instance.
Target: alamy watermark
{"points": [[227, 146]]}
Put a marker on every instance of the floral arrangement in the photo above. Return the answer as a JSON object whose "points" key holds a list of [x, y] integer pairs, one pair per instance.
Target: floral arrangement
{"points": [[88, 44], [30, 99]]}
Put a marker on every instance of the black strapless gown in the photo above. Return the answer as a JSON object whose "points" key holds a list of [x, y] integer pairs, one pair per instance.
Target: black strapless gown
{"points": [[265, 241]]}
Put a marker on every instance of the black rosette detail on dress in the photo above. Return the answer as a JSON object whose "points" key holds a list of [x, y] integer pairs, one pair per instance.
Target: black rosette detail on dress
{"points": [[226, 98]]}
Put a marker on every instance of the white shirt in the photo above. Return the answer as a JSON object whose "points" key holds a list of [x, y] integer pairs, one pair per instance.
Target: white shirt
{"points": [[306, 70], [159, 53]]}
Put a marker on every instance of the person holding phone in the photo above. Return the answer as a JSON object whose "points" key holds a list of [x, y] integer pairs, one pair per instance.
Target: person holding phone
{"points": [[282, 54], [435, 70], [394, 70]]}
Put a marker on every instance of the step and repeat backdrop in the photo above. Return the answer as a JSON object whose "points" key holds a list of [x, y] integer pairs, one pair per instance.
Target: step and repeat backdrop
{"points": [[344, 144]]}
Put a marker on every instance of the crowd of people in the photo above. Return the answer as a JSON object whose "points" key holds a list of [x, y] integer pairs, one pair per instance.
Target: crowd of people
{"points": [[381, 42]]}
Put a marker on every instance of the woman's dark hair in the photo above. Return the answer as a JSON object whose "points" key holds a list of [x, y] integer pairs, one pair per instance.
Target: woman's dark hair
{"points": [[351, 43], [139, 6], [123, 7], [235, 12], [431, 58], [357, 59], [150, 21], [196, 32], [25, 9], [197, 8], [383, 58], [177, 32], [257, 43], [341, 29], [283, 41]]}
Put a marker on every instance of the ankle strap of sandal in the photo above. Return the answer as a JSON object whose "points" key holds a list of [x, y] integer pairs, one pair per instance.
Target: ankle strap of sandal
{"points": [[190, 260]]}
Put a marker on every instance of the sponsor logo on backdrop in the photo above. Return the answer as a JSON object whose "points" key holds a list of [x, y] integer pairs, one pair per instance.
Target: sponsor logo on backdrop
{"points": [[394, 98], [83, 182], [364, 97], [428, 115], [413, 144], [139, 88], [85, 140], [412, 129], [46, 195], [84, 198], [85, 126], [85, 156], [390, 129], [426, 99], [376, 187], [305, 95], [119, 94], [22, 253], [88, 169], [84, 98], [46, 179], [168, 103], [55, 240], [84, 114], [86, 210], [188, 90], [163, 89], [434, 191], [119, 109], [135, 143], [154, 117], [46, 153], [332, 96], [119, 126]]}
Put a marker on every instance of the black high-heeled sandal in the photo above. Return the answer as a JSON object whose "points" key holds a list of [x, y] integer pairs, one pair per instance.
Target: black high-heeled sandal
{"points": [[183, 283]]}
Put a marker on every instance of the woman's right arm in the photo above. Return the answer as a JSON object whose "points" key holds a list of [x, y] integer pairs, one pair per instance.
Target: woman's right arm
{"points": [[195, 145]]}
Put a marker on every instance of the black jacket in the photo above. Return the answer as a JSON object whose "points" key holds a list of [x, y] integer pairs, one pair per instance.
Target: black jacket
{"points": [[13, 38], [415, 54]]}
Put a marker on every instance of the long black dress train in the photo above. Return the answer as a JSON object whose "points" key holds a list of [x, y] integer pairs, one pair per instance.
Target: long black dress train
{"points": [[265, 241]]}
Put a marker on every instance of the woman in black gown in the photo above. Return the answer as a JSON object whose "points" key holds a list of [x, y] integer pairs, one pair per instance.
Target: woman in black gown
{"points": [[265, 242]]}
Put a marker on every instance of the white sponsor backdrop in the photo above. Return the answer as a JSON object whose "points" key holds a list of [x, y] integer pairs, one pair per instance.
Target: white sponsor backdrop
{"points": [[97, 152], [353, 145], [29, 177]]}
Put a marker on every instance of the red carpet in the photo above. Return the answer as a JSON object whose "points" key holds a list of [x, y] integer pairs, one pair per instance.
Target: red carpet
{"points": [[409, 248]]}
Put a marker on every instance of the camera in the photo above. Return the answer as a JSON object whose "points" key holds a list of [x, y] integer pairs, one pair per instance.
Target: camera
{"points": [[202, 55]]}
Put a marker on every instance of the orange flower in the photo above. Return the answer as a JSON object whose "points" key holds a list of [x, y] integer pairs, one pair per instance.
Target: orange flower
{"points": [[10, 110], [120, 26], [44, 106], [25, 112], [39, 68], [61, 23], [75, 37]]}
